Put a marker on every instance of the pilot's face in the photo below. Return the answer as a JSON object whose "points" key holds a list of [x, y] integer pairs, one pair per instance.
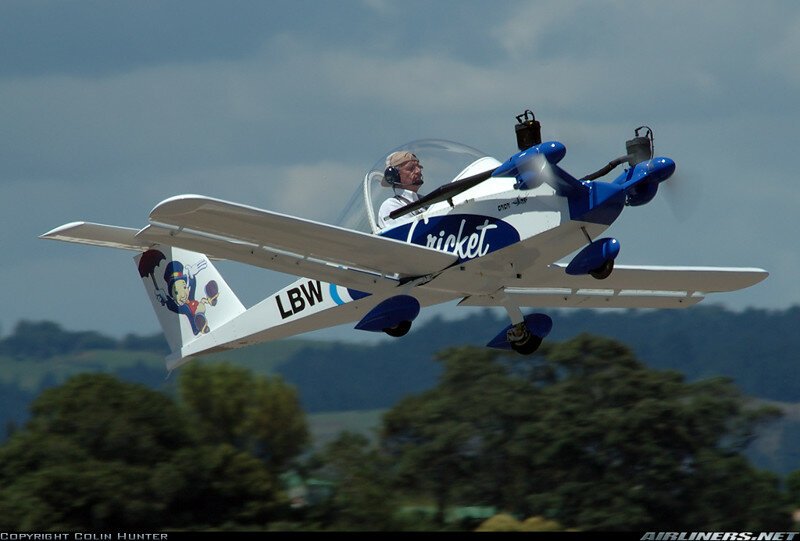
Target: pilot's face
{"points": [[410, 175]]}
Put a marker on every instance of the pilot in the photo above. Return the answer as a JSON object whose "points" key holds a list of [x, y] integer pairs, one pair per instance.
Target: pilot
{"points": [[404, 175]]}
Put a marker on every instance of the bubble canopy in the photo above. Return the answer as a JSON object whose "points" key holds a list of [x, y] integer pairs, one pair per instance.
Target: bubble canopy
{"points": [[442, 162]]}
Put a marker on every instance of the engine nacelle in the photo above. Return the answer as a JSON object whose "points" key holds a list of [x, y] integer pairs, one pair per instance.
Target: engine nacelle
{"points": [[390, 313], [641, 182], [594, 256]]}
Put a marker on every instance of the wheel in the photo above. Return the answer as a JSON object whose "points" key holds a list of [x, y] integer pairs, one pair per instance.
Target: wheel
{"points": [[398, 330], [521, 340], [528, 346], [603, 271]]}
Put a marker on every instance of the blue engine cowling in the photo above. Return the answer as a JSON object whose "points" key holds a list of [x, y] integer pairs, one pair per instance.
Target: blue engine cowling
{"points": [[641, 182], [594, 256], [389, 313]]}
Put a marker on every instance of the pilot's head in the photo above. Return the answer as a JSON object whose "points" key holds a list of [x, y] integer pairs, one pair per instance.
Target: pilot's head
{"points": [[403, 170]]}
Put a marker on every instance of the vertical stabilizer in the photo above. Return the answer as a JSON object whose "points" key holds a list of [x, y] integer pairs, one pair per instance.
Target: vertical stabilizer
{"points": [[189, 296]]}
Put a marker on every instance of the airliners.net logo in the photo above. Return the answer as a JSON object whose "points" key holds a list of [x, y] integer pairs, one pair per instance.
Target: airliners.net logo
{"points": [[720, 536]]}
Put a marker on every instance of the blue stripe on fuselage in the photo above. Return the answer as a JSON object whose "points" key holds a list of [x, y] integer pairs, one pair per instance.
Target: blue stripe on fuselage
{"points": [[466, 235], [335, 295]]}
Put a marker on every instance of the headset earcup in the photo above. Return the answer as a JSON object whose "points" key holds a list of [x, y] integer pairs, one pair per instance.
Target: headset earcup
{"points": [[391, 176]]}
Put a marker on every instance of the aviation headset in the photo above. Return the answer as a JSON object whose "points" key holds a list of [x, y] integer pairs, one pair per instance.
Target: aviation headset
{"points": [[392, 176]]}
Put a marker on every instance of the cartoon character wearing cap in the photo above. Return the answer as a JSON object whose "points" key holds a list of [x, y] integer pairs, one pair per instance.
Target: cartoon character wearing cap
{"points": [[181, 281]]}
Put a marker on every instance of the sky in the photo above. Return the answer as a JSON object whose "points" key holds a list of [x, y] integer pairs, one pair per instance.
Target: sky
{"points": [[108, 108]]}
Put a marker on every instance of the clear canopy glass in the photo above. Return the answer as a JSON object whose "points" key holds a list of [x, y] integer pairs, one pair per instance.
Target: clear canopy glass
{"points": [[442, 162]]}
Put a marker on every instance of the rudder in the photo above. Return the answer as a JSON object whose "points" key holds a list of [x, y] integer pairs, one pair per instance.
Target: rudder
{"points": [[189, 296]]}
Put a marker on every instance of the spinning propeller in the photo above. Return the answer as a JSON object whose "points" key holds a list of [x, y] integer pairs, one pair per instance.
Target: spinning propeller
{"points": [[681, 195]]}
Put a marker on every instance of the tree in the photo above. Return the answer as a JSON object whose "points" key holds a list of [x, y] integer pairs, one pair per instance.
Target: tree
{"points": [[793, 488], [584, 434], [84, 458], [615, 445], [256, 414], [208, 486], [363, 497], [101, 454], [453, 442], [111, 419]]}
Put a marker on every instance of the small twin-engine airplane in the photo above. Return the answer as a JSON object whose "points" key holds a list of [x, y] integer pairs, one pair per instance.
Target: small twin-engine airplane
{"points": [[489, 234]]}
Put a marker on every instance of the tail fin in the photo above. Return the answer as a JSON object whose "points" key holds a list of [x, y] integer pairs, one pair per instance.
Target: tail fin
{"points": [[189, 296]]}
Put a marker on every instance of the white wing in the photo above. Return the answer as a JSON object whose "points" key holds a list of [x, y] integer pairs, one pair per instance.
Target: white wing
{"points": [[629, 286]]}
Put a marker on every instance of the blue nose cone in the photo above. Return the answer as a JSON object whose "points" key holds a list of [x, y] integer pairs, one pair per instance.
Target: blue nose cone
{"points": [[662, 168], [553, 151]]}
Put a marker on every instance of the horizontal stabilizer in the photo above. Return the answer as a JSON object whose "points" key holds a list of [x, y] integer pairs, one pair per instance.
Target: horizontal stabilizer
{"points": [[110, 236]]}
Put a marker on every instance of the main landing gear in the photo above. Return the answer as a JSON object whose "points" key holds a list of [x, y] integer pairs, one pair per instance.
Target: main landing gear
{"points": [[525, 334], [603, 271], [401, 329], [521, 340], [596, 259]]}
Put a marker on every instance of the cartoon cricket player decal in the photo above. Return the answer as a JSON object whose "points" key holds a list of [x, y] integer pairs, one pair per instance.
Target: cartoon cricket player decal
{"points": [[181, 283]]}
